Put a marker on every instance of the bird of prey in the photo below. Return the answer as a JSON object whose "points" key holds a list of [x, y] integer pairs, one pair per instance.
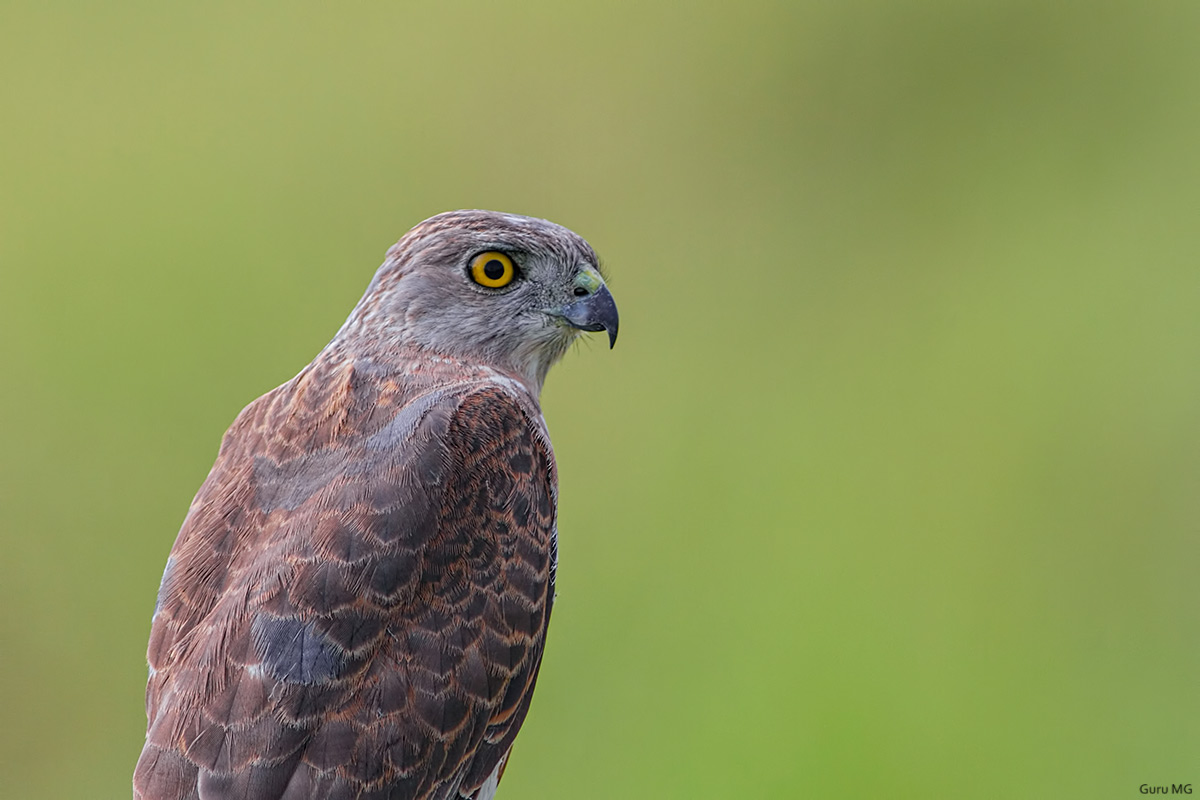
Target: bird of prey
{"points": [[356, 604]]}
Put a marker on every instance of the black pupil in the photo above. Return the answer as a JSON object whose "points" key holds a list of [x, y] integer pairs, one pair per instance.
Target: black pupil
{"points": [[494, 270]]}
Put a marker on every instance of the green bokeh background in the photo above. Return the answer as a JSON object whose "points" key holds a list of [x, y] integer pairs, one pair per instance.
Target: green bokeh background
{"points": [[891, 487]]}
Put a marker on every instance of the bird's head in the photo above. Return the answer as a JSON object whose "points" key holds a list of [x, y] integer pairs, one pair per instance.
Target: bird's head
{"points": [[500, 290]]}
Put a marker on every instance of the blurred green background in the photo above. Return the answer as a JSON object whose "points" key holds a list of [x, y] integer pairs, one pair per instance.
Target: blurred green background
{"points": [[891, 487]]}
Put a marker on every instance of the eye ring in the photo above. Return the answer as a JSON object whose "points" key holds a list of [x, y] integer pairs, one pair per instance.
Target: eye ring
{"points": [[492, 269]]}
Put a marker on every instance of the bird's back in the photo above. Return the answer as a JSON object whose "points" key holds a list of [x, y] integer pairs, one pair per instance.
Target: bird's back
{"points": [[357, 601]]}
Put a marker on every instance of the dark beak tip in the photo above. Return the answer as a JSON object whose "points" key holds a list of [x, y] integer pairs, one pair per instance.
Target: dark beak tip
{"points": [[596, 312]]}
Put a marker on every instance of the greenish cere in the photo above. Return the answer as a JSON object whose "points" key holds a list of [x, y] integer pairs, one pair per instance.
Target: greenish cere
{"points": [[888, 489], [589, 279]]}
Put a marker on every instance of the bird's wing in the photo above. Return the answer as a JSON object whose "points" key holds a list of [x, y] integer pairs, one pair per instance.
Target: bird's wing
{"points": [[357, 602]]}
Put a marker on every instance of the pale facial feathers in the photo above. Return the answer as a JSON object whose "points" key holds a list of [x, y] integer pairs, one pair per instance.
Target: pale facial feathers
{"points": [[423, 295]]}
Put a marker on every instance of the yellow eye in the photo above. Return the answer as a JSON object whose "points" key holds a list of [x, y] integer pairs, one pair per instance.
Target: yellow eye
{"points": [[493, 270]]}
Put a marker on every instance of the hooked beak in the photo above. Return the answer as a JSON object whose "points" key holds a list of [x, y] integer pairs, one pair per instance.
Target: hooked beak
{"points": [[595, 312]]}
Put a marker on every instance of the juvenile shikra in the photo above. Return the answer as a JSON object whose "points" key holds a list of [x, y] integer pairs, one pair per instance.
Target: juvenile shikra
{"points": [[356, 604]]}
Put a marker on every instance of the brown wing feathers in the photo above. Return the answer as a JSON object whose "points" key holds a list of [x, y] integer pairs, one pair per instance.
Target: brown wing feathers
{"points": [[357, 603]]}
